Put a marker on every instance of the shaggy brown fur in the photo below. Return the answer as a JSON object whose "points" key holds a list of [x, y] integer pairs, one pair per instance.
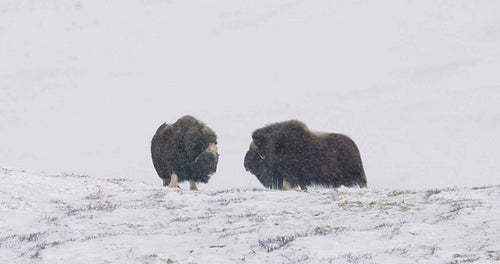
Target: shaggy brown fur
{"points": [[186, 149], [290, 151]]}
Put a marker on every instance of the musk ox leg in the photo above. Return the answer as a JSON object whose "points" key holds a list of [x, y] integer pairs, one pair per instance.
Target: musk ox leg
{"points": [[362, 185], [165, 182], [192, 185], [303, 187], [173, 181], [286, 185]]}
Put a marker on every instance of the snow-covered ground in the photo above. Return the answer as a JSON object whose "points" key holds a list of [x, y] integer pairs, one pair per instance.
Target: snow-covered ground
{"points": [[72, 218], [85, 83]]}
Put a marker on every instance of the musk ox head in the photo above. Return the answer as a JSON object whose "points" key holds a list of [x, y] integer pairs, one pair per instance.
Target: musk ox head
{"points": [[268, 149], [185, 151], [288, 153]]}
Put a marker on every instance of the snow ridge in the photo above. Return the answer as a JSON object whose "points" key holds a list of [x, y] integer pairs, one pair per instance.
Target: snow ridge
{"points": [[77, 218]]}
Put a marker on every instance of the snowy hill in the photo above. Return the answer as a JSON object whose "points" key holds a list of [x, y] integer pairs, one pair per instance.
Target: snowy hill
{"points": [[73, 218]]}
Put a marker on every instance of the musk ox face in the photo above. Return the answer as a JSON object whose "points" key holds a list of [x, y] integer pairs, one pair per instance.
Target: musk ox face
{"points": [[256, 164], [269, 147], [185, 151], [289, 154]]}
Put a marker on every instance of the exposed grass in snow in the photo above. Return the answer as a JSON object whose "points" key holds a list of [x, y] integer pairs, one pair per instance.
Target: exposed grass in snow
{"points": [[77, 218]]}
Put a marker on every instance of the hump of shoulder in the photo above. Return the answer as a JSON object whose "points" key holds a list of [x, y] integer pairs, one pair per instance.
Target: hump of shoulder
{"points": [[186, 120], [342, 140], [293, 125], [189, 121], [183, 124], [290, 126]]}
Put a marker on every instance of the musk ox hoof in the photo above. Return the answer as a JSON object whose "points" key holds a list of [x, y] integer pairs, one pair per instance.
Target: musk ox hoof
{"points": [[184, 151], [287, 154]]}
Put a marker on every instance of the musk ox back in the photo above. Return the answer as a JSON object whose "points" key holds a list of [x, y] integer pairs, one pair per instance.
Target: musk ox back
{"points": [[184, 151], [288, 154]]}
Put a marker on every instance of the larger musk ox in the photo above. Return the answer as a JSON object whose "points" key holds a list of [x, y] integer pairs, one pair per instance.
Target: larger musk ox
{"points": [[184, 151], [287, 154]]}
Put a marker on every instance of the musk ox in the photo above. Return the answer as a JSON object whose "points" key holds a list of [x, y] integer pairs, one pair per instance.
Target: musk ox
{"points": [[184, 151], [287, 154]]}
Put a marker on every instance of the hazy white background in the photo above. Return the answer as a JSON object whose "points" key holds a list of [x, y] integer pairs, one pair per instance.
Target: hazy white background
{"points": [[84, 84]]}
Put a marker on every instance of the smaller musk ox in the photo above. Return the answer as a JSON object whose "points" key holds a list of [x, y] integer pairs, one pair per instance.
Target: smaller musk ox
{"points": [[288, 154], [184, 151]]}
